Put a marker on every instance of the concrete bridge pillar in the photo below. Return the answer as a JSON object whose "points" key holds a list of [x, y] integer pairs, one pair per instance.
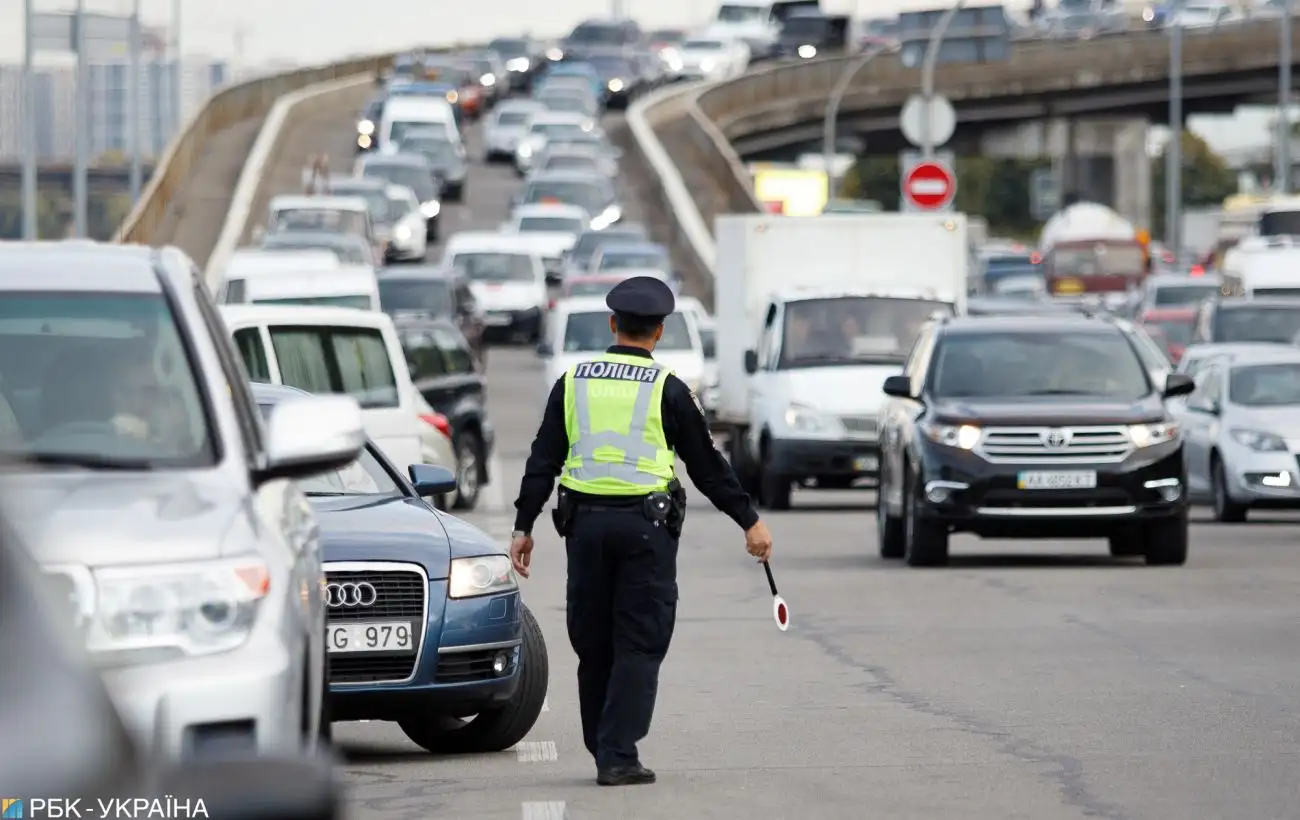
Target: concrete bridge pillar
{"points": [[1099, 160]]}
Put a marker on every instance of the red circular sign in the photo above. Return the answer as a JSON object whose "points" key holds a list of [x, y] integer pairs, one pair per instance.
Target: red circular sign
{"points": [[929, 186]]}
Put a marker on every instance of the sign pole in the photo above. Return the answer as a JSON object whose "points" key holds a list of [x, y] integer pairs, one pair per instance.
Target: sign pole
{"points": [[30, 229], [832, 115]]}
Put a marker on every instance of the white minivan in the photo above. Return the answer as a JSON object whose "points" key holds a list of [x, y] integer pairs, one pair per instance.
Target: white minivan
{"points": [[403, 114], [308, 278], [507, 275], [335, 350], [579, 330]]}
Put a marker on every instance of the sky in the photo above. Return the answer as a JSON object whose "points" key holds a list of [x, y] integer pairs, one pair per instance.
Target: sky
{"points": [[255, 32]]}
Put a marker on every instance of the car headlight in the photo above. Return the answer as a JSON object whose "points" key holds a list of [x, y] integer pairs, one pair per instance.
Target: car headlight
{"points": [[555, 54], [431, 209], [488, 80], [961, 436], [365, 128], [170, 610], [484, 575], [1259, 441], [615, 85], [453, 97], [806, 418], [1147, 435], [402, 233], [364, 142], [807, 52], [706, 65], [518, 64], [524, 150], [606, 218]]}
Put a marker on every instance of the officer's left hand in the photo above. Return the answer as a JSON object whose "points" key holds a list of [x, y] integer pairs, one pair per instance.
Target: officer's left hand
{"points": [[521, 553]]}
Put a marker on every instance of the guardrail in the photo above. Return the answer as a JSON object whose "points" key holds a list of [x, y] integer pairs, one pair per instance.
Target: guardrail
{"points": [[253, 184], [235, 104]]}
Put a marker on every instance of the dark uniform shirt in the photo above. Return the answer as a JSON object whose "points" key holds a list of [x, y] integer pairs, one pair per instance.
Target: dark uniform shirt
{"points": [[686, 429]]}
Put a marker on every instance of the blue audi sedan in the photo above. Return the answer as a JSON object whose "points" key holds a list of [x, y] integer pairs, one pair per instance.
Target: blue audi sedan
{"points": [[425, 625]]}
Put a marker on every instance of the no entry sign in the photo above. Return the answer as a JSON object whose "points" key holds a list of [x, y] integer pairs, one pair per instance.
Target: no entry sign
{"points": [[928, 185]]}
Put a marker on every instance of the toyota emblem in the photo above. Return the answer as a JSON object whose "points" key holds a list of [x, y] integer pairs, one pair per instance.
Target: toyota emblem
{"points": [[340, 596], [1056, 439]]}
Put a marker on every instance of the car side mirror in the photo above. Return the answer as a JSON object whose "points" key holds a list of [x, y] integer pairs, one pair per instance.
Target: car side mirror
{"points": [[544, 350], [900, 387], [430, 479], [751, 362], [554, 279], [312, 435], [1178, 384], [710, 349]]}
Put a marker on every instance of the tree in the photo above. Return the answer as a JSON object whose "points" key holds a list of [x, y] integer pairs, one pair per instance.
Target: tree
{"points": [[1206, 179]]}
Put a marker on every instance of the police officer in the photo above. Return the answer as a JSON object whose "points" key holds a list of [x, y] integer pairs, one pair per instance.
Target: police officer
{"points": [[610, 431]]}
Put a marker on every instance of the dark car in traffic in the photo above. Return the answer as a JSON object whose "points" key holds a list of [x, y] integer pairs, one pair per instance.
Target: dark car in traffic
{"points": [[622, 75], [451, 379], [1042, 427], [521, 56], [424, 624], [434, 293], [410, 171], [446, 157]]}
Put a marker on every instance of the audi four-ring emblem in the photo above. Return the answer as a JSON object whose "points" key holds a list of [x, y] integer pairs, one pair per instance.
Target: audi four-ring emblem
{"points": [[339, 596]]}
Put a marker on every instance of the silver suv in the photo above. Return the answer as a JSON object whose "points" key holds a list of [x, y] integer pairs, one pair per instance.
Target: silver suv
{"points": [[138, 471]]}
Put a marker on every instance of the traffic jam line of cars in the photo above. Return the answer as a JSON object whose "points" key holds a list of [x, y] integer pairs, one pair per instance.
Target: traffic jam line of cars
{"points": [[242, 494]]}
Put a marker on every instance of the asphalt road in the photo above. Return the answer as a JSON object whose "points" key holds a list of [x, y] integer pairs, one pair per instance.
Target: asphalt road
{"points": [[1034, 681]]}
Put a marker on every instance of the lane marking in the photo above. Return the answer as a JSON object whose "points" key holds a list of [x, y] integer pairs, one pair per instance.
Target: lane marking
{"points": [[545, 810], [536, 751]]}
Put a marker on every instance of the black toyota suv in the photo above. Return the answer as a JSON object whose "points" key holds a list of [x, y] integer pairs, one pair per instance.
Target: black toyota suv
{"points": [[1030, 427]]}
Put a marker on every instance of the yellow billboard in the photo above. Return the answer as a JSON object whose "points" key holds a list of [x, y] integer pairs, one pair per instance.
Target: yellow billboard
{"points": [[791, 191]]}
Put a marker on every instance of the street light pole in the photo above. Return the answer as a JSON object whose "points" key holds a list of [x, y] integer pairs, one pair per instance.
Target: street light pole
{"points": [[133, 104], [177, 119], [1174, 150], [927, 76], [81, 118], [1282, 152], [29, 122], [832, 114]]}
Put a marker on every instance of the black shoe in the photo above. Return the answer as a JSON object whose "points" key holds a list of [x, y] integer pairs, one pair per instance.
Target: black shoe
{"points": [[634, 775]]}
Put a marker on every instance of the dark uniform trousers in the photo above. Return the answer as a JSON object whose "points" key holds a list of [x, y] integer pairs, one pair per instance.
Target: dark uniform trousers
{"points": [[622, 607]]}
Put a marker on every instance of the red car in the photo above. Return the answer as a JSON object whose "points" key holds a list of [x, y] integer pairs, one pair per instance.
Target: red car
{"points": [[1173, 327]]}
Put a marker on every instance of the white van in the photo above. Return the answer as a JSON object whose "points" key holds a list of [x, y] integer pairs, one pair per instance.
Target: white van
{"points": [[403, 114], [246, 262], [349, 286], [579, 331], [335, 350], [507, 275]]}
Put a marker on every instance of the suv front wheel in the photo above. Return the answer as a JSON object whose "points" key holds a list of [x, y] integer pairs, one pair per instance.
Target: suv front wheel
{"points": [[925, 541], [1166, 541]]}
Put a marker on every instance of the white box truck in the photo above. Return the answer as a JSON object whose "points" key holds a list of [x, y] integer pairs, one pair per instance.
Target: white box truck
{"points": [[813, 313]]}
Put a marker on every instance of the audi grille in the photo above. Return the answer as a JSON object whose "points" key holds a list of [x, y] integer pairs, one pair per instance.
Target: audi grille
{"points": [[359, 595]]}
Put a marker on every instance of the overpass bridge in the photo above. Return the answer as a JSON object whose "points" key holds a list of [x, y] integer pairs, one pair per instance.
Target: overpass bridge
{"points": [[702, 132]]}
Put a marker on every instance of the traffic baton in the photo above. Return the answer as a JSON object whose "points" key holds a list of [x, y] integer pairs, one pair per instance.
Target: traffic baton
{"points": [[780, 612]]}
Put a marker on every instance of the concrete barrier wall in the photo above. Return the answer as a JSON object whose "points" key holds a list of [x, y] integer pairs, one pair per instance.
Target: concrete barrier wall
{"points": [[232, 105]]}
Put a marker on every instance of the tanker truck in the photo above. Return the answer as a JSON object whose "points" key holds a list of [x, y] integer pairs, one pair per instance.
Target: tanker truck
{"points": [[1088, 248]]}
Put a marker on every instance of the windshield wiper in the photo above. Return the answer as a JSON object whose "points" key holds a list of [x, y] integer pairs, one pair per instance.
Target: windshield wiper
{"points": [[1057, 392], [87, 460], [315, 494]]}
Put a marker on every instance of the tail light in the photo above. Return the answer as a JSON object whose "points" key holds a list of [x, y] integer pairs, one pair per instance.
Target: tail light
{"points": [[438, 422], [550, 305], [1198, 270]]}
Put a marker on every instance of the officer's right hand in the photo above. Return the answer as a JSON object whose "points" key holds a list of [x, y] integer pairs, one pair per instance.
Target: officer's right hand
{"points": [[521, 553], [758, 541]]}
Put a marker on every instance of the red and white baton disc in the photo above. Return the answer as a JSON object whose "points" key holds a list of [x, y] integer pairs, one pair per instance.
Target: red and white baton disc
{"points": [[780, 613]]}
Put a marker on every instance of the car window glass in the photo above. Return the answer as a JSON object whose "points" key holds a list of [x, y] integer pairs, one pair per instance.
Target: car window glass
{"points": [[303, 359], [1265, 385], [101, 376], [1013, 364], [365, 372], [249, 342], [549, 224], [495, 267], [429, 296], [1153, 355], [1257, 324], [852, 330], [454, 350], [233, 371], [424, 357], [235, 292]]}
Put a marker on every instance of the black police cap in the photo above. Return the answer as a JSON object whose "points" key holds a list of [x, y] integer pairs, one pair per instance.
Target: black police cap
{"points": [[645, 297]]}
